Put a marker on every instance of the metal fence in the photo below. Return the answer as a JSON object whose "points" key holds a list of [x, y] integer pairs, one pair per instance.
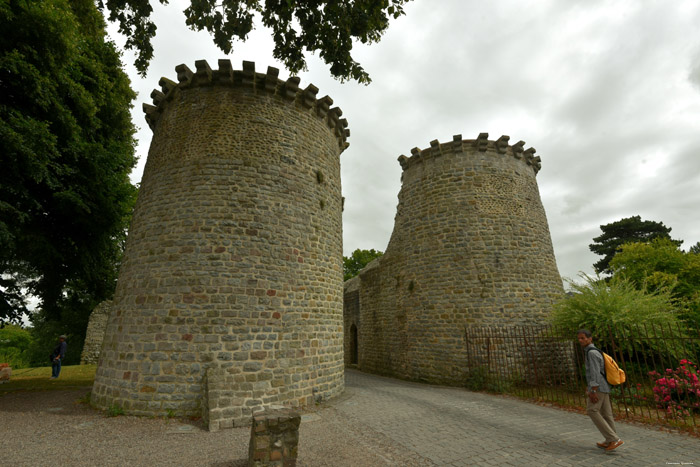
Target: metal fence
{"points": [[547, 363]]}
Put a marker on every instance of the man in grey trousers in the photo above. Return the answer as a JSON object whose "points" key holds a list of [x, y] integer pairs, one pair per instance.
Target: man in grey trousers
{"points": [[598, 406]]}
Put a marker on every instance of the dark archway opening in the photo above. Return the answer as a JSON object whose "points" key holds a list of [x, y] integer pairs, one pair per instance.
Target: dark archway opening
{"points": [[353, 345]]}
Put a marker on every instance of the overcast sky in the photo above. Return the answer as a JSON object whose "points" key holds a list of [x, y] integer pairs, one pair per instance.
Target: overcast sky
{"points": [[608, 92]]}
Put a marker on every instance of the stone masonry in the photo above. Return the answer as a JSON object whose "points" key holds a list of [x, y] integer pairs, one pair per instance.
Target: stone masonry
{"points": [[470, 246], [233, 265], [95, 333], [274, 438]]}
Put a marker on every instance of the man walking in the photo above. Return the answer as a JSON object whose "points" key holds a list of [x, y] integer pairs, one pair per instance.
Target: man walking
{"points": [[598, 405], [57, 356]]}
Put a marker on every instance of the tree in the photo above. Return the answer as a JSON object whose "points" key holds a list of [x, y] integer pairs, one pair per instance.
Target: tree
{"points": [[627, 230], [695, 248], [661, 264], [358, 259], [329, 27], [67, 150]]}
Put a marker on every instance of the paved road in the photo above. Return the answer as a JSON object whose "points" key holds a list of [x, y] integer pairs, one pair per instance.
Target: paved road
{"points": [[455, 427], [377, 422]]}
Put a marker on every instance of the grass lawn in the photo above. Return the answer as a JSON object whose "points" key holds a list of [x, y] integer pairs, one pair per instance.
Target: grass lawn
{"points": [[37, 379]]}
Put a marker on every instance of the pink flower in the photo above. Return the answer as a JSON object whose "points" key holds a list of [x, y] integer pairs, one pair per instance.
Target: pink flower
{"points": [[684, 361]]}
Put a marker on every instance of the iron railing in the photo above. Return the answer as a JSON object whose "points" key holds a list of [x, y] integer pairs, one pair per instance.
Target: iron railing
{"points": [[546, 363]]}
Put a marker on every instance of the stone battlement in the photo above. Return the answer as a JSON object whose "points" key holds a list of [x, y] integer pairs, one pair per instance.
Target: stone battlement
{"points": [[470, 246], [268, 83], [480, 144], [229, 297]]}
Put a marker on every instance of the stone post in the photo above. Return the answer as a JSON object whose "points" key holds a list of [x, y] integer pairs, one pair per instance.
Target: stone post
{"points": [[274, 438]]}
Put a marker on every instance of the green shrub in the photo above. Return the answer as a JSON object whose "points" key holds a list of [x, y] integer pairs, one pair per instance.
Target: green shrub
{"points": [[14, 358], [114, 411], [616, 304], [14, 346], [477, 378]]}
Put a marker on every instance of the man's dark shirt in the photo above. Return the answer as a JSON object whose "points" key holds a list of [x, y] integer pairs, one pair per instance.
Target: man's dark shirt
{"points": [[60, 350]]}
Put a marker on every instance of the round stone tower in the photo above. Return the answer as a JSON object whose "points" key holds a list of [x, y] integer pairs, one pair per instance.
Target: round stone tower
{"points": [[229, 297], [470, 245]]}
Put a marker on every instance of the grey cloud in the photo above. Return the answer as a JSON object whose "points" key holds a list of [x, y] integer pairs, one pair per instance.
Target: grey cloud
{"points": [[599, 88]]}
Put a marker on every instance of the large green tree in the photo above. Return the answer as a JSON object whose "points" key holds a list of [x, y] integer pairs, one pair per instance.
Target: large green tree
{"points": [[353, 264], [661, 264], [67, 149], [329, 27], [627, 230]]}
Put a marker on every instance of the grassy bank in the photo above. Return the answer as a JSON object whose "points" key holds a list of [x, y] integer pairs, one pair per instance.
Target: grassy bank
{"points": [[38, 379]]}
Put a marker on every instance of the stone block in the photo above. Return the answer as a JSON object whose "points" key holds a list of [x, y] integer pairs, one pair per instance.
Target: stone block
{"points": [[274, 438]]}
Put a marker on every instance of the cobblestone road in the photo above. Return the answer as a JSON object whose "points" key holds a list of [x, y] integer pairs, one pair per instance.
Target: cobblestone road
{"points": [[377, 422], [455, 427]]}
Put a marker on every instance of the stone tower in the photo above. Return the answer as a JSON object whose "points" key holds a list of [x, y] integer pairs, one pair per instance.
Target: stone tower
{"points": [[470, 245], [229, 297]]}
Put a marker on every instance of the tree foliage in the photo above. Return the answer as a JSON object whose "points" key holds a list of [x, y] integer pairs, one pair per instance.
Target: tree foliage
{"points": [[327, 27], [67, 150], [695, 248], [14, 346], [661, 264], [353, 264], [598, 304], [627, 230]]}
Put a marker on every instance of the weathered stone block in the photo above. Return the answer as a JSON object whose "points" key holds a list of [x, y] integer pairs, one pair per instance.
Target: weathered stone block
{"points": [[274, 438]]}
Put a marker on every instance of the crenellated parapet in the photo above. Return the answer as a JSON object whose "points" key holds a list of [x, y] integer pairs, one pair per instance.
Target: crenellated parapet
{"points": [[230, 293], [260, 83], [481, 144], [470, 246]]}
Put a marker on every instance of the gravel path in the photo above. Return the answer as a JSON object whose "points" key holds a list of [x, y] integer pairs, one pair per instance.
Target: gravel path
{"points": [[377, 422], [52, 428]]}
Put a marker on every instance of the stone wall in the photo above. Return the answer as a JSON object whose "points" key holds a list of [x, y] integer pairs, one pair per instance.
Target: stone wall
{"points": [[234, 258], [95, 334], [470, 245]]}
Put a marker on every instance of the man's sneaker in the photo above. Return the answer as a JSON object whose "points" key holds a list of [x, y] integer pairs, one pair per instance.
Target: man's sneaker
{"points": [[603, 445], [615, 445]]}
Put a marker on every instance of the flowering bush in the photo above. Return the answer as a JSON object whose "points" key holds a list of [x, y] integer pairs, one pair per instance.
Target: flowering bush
{"points": [[677, 391]]}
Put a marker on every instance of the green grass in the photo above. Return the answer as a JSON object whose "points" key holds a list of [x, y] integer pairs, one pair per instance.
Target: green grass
{"points": [[114, 411], [37, 379]]}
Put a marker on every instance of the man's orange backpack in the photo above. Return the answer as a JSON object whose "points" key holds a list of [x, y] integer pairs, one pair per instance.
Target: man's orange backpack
{"points": [[612, 372]]}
